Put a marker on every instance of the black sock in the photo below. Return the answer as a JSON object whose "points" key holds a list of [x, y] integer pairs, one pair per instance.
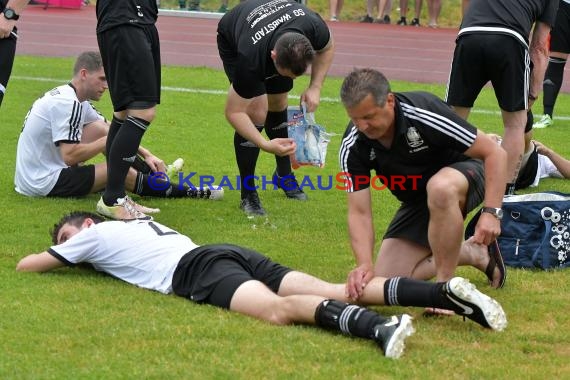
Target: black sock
{"points": [[348, 319], [552, 83], [141, 166], [409, 292], [121, 155], [276, 127], [510, 188], [1, 97], [246, 157], [158, 189], [116, 124], [529, 121]]}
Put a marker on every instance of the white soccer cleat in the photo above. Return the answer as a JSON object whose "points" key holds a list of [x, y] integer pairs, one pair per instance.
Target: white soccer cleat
{"points": [[174, 168], [473, 304], [544, 122]]}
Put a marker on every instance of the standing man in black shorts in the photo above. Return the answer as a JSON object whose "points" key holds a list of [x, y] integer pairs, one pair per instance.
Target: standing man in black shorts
{"points": [[10, 11], [493, 45], [437, 165], [129, 46], [264, 45], [559, 50], [153, 256]]}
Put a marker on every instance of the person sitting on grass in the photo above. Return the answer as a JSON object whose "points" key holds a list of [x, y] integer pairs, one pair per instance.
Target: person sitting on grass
{"points": [[538, 162], [62, 130], [154, 256]]}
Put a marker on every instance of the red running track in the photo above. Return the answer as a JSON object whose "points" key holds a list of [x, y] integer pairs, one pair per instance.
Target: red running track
{"points": [[400, 52]]}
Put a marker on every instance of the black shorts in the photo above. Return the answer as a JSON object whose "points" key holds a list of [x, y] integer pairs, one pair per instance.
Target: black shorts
{"points": [[412, 218], [131, 58], [7, 54], [212, 273], [560, 34], [228, 53], [75, 181], [479, 58]]}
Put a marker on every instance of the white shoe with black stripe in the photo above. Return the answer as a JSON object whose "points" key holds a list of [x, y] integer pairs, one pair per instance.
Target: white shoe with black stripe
{"points": [[473, 304]]}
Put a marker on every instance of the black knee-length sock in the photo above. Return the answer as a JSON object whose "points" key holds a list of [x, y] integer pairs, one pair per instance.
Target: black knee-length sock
{"points": [[246, 158], [276, 127], [121, 156]]}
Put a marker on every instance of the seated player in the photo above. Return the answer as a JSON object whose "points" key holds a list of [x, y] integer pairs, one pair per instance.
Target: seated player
{"points": [[62, 130]]}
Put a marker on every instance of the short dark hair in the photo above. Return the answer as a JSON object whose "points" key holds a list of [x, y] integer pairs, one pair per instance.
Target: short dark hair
{"points": [[294, 52], [362, 82], [89, 60], [75, 218]]}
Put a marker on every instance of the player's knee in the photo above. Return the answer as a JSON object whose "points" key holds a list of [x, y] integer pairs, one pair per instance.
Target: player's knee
{"points": [[441, 193], [278, 313]]}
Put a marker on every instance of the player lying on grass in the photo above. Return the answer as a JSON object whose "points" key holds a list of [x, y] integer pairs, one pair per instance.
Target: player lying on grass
{"points": [[153, 256], [62, 130]]}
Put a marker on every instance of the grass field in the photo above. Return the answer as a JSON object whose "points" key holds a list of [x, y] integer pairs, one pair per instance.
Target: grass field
{"points": [[76, 323]]}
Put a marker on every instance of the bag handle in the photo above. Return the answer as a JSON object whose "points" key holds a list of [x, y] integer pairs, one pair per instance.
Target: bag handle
{"points": [[545, 258]]}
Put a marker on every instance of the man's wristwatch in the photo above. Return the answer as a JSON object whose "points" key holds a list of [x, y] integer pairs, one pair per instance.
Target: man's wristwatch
{"points": [[496, 212], [10, 14]]}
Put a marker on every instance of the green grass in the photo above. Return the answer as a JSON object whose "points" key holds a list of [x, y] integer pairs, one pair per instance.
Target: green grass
{"points": [[450, 15], [76, 323]]}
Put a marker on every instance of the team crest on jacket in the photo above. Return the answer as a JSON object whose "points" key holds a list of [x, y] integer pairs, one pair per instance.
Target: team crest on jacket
{"points": [[414, 138]]}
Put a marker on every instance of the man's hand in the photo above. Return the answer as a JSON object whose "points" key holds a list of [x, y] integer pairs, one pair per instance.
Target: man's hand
{"points": [[312, 97], [6, 27], [488, 228], [358, 278], [280, 146], [155, 163]]}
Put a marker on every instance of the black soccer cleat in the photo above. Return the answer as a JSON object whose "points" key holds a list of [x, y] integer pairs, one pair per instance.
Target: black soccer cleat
{"points": [[251, 205], [290, 186], [472, 304], [391, 335]]}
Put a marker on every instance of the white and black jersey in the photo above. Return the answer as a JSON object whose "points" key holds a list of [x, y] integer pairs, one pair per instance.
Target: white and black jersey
{"points": [[56, 117], [251, 30], [112, 13], [141, 253], [511, 17], [428, 136]]}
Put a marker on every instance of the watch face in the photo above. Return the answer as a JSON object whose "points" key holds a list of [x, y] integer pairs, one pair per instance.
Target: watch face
{"points": [[500, 213], [10, 14]]}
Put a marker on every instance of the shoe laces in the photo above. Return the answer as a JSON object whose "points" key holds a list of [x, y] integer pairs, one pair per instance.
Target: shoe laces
{"points": [[288, 182], [254, 200], [128, 204], [199, 193]]}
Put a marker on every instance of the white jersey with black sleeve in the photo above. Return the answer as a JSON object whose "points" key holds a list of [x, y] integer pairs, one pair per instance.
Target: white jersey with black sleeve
{"points": [[58, 116], [141, 253]]}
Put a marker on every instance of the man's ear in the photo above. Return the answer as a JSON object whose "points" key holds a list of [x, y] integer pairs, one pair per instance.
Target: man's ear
{"points": [[391, 99], [273, 55], [88, 222]]}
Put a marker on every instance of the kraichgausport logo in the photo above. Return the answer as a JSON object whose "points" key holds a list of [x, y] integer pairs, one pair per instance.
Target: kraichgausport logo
{"points": [[340, 181]]}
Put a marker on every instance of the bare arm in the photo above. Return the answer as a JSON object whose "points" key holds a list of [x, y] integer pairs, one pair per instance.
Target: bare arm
{"points": [[538, 51], [236, 114], [319, 69], [74, 154], [561, 163], [6, 26], [495, 161], [361, 231], [38, 262]]}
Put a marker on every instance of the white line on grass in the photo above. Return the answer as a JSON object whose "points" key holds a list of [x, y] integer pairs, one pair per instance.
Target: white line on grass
{"points": [[224, 92]]}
